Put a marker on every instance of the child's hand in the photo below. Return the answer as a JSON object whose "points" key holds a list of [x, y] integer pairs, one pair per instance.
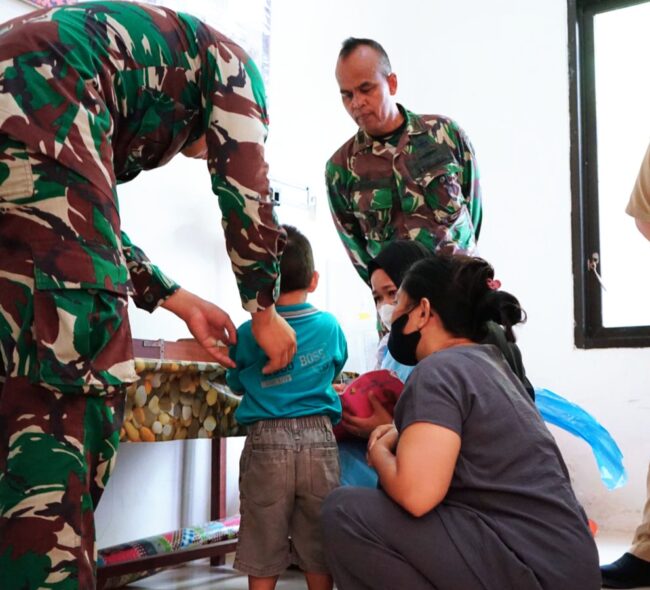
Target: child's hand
{"points": [[362, 427]]}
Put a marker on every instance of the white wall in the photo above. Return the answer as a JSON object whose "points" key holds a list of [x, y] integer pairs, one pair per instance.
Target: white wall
{"points": [[500, 69], [13, 8]]}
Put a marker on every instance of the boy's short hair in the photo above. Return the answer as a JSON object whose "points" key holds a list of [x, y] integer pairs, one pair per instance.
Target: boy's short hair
{"points": [[297, 262]]}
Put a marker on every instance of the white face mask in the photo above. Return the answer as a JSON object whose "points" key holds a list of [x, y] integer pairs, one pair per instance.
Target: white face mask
{"points": [[385, 312]]}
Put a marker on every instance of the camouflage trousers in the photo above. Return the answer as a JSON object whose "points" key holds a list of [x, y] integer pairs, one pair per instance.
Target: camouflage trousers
{"points": [[65, 356], [57, 452]]}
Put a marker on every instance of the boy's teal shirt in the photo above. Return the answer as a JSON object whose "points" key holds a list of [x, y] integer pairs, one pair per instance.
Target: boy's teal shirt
{"points": [[304, 387]]}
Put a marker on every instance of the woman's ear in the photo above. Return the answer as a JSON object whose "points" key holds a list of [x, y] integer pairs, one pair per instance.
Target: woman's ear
{"points": [[425, 312]]}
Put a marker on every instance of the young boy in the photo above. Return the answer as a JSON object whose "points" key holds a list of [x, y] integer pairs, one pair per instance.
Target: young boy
{"points": [[290, 459]]}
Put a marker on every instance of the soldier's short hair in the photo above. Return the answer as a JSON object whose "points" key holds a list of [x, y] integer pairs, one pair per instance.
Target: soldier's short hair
{"points": [[297, 262], [351, 43]]}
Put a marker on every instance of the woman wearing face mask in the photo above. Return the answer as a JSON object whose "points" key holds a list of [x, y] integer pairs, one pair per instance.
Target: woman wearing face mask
{"points": [[386, 271], [461, 504]]}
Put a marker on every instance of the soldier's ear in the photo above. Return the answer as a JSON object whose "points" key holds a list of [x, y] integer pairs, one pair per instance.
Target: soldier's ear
{"points": [[392, 83]]}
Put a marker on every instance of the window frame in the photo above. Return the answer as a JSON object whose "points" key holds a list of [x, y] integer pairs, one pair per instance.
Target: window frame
{"points": [[589, 331]]}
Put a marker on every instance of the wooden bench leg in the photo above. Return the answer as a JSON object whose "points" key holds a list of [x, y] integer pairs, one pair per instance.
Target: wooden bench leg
{"points": [[218, 489]]}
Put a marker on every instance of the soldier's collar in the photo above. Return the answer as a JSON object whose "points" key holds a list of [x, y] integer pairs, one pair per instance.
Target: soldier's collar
{"points": [[414, 126]]}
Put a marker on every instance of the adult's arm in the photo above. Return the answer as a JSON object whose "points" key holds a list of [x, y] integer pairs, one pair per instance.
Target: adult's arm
{"points": [[150, 285], [643, 227], [208, 323], [639, 204], [275, 337], [417, 476], [347, 226], [235, 120]]}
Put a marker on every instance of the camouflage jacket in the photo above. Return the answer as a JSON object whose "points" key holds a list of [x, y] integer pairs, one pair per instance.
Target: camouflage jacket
{"points": [[425, 188], [108, 89]]}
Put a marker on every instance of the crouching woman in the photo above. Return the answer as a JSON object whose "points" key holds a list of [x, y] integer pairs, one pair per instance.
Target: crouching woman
{"points": [[474, 493]]}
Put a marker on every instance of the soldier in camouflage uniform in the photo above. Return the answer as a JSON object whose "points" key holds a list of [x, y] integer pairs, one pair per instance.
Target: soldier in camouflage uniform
{"points": [[90, 95], [402, 176]]}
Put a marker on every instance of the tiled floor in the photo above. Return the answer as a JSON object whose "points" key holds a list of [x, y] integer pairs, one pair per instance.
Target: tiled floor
{"points": [[200, 576]]}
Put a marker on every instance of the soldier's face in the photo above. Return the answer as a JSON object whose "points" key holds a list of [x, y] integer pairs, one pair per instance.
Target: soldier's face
{"points": [[366, 91], [197, 149]]}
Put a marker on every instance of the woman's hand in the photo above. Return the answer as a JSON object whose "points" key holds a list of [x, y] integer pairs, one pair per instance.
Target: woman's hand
{"points": [[362, 427], [383, 438], [416, 473]]}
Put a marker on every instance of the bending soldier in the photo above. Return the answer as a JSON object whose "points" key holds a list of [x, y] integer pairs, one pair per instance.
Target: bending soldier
{"points": [[90, 95]]}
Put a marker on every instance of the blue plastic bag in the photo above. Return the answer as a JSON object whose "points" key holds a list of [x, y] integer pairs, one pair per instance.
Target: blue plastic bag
{"points": [[355, 471], [572, 418]]}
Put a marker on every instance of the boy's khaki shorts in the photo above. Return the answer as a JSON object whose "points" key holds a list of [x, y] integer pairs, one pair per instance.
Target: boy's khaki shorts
{"points": [[287, 468]]}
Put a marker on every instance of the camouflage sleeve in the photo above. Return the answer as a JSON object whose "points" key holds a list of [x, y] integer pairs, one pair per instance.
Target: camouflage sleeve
{"points": [[471, 180], [236, 123], [151, 286], [346, 223]]}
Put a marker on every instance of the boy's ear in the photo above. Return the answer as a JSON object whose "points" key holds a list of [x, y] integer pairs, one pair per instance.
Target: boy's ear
{"points": [[314, 282]]}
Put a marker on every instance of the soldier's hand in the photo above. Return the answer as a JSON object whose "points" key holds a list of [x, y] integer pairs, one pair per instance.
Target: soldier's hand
{"points": [[275, 337], [208, 323]]}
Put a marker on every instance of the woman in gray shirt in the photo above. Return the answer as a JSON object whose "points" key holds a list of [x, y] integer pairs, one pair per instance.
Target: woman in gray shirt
{"points": [[474, 492]]}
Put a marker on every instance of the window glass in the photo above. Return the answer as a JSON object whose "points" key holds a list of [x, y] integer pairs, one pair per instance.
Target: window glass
{"points": [[622, 47]]}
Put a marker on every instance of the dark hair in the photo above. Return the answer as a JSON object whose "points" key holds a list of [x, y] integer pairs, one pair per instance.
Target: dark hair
{"points": [[457, 289], [351, 43], [297, 261], [397, 257]]}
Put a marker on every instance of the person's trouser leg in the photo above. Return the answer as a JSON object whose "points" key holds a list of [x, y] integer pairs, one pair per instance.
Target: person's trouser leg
{"points": [[641, 543], [367, 537], [65, 341], [56, 454], [632, 569]]}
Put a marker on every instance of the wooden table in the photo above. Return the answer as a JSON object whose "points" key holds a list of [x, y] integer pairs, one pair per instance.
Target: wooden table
{"points": [[181, 394]]}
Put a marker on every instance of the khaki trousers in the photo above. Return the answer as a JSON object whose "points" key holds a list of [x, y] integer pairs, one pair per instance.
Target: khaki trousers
{"points": [[641, 543]]}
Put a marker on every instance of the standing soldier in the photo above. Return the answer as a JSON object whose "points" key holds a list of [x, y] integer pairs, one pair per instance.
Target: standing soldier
{"points": [[90, 95], [402, 175]]}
